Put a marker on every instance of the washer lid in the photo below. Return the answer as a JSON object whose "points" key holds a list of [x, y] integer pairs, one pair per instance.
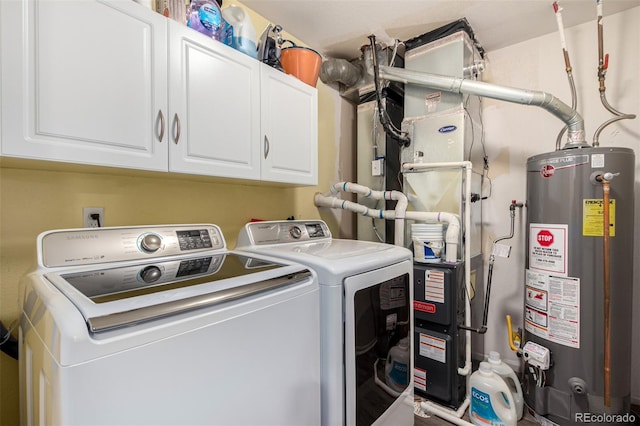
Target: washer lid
{"points": [[132, 293]]}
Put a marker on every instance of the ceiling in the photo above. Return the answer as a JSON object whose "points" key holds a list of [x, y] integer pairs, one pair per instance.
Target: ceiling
{"points": [[338, 28]]}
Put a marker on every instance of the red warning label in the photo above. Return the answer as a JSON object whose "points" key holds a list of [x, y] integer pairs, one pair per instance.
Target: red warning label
{"points": [[548, 248], [545, 238]]}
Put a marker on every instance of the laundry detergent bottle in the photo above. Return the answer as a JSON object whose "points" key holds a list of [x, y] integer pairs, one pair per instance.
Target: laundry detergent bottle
{"points": [[511, 379], [205, 17], [397, 366], [244, 35], [491, 400]]}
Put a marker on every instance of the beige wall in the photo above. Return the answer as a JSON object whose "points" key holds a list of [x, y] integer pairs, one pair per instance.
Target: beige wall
{"points": [[33, 199]]}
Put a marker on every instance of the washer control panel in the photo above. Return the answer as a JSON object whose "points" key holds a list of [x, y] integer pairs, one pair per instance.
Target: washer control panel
{"points": [[101, 245], [282, 232]]}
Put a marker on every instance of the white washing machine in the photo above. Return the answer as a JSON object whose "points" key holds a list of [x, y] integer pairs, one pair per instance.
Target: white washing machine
{"points": [[163, 325], [365, 309]]}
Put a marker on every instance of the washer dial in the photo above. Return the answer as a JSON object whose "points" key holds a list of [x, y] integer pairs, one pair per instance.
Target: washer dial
{"points": [[295, 232], [150, 243]]}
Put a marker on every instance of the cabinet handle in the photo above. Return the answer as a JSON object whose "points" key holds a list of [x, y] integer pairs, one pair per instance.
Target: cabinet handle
{"points": [[266, 146], [176, 119], [161, 117]]}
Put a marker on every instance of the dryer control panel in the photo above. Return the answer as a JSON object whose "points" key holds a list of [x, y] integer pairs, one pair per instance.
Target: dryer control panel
{"points": [[282, 232]]}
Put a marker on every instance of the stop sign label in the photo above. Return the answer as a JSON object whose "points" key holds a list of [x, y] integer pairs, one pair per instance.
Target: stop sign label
{"points": [[545, 238]]}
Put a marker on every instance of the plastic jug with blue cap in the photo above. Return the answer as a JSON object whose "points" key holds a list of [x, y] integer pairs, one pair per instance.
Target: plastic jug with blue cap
{"points": [[510, 378], [244, 35], [491, 400]]}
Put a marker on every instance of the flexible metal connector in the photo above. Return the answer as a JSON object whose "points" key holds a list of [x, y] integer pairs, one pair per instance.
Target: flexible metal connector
{"points": [[603, 66]]}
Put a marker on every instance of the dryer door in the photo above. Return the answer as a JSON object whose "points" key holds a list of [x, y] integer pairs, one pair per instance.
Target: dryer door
{"points": [[378, 382]]}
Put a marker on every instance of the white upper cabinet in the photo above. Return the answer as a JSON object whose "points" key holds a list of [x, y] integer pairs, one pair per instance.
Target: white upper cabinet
{"points": [[112, 83], [289, 129], [214, 107], [84, 82]]}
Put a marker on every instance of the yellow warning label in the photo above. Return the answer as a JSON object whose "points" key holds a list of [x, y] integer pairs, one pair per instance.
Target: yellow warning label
{"points": [[593, 218]]}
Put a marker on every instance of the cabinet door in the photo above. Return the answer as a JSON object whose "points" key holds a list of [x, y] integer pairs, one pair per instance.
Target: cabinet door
{"points": [[289, 129], [84, 82], [214, 107]]}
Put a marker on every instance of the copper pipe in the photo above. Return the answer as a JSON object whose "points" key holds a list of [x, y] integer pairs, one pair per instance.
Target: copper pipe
{"points": [[607, 296]]}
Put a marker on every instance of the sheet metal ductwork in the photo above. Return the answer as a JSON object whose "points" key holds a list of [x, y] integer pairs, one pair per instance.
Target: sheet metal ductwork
{"points": [[340, 71]]}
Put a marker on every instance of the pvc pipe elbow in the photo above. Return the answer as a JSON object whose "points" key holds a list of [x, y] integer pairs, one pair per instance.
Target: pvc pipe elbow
{"points": [[451, 252]]}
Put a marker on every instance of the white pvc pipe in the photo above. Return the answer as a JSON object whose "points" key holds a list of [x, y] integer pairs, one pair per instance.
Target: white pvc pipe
{"points": [[449, 415], [453, 223], [401, 205], [453, 229], [467, 165]]}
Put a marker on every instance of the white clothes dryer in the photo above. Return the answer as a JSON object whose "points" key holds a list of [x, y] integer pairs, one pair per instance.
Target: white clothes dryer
{"points": [[365, 311], [162, 325]]}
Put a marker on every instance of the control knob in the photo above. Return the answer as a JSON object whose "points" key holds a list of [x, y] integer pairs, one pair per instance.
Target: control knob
{"points": [[150, 274], [151, 243], [295, 232]]}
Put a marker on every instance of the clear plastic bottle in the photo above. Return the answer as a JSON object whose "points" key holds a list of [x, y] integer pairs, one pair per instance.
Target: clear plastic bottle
{"points": [[491, 400], [510, 378], [205, 17]]}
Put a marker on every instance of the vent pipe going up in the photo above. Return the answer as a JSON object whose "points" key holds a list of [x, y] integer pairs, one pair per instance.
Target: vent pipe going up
{"points": [[546, 101]]}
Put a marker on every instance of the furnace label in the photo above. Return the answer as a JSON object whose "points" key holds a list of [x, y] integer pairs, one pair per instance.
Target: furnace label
{"points": [[433, 348], [420, 379], [593, 218], [548, 248], [434, 286], [552, 309]]}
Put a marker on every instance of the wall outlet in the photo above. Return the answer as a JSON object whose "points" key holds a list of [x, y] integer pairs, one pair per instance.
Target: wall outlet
{"points": [[93, 217], [376, 167]]}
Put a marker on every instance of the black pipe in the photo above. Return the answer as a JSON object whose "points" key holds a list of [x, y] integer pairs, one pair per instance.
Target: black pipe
{"points": [[492, 259]]}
